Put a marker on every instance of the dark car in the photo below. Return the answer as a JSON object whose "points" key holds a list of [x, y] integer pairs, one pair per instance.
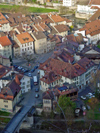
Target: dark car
{"points": [[26, 70], [35, 67], [15, 66], [37, 89], [32, 70]]}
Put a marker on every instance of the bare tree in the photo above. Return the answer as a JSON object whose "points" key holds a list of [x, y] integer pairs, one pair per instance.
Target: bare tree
{"points": [[28, 58], [95, 80]]}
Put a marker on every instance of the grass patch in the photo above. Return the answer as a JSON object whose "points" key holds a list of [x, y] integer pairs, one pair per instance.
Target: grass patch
{"points": [[94, 113], [3, 113], [4, 120], [98, 46], [24, 9]]}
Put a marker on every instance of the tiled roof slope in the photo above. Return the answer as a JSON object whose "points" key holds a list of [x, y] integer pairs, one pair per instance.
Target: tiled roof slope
{"points": [[4, 41], [24, 38]]}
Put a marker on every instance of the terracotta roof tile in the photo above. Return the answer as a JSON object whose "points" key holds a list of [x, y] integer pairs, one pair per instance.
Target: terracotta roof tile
{"points": [[4, 41], [56, 18], [94, 2], [61, 28], [3, 20], [92, 28], [24, 38]]}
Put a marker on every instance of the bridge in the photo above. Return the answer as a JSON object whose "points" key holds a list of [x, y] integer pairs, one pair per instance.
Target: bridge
{"points": [[14, 124]]}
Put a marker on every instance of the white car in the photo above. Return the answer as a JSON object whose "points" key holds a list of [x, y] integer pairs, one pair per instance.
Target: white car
{"points": [[29, 74], [90, 94], [19, 67], [37, 95], [82, 97], [83, 108]]}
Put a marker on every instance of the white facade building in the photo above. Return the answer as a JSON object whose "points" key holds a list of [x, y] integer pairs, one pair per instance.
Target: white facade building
{"points": [[25, 84], [69, 2], [25, 42]]}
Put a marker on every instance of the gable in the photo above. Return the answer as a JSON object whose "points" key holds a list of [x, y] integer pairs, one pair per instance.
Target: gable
{"points": [[92, 52]]}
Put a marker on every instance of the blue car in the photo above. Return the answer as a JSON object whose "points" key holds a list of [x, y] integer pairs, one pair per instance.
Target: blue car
{"points": [[32, 70], [15, 66], [35, 67]]}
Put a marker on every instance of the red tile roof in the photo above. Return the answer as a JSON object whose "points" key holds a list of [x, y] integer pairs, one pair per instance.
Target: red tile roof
{"points": [[61, 28], [50, 77], [60, 67], [24, 38], [10, 92], [85, 63], [94, 2], [56, 18], [92, 28], [95, 16], [3, 20], [4, 41], [4, 70]]}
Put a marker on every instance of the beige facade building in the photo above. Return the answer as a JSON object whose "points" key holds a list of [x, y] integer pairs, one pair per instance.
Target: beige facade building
{"points": [[10, 96], [5, 46], [4, 23], [40, 42], [25, 42], [4, 61]]}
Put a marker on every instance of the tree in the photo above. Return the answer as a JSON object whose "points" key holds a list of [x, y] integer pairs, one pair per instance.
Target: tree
{"points": [[92, 102], [71, 28], [63, 10], [28, 58], [69, 115], [64, 103], [95, 80]]}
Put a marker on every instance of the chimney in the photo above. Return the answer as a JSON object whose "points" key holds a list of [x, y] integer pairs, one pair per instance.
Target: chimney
{"points": [[17, 80]]}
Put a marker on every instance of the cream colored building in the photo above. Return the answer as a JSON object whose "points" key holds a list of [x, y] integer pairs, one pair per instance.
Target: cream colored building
{"points": [[40, 42], [5, 46], [4, 61], [10, 96], [25, 42], [4, 23]]}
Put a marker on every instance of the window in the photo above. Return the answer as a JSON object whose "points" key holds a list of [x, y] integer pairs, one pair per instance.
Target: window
{"points": [[6, 106], [28, 86], [46, 101], [5, 101], [23, 83], [28, 81], [23, 87]]}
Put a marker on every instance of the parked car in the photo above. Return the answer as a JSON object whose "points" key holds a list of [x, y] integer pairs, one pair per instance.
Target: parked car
{"points": [[29, 74], [23, 70], [35, 67], [83, 98], [33, 70], [83, 108], [37, 89], [37, 95], [90, 95], [26, 70], [15, 66], [88, 107], [20, 68]]}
